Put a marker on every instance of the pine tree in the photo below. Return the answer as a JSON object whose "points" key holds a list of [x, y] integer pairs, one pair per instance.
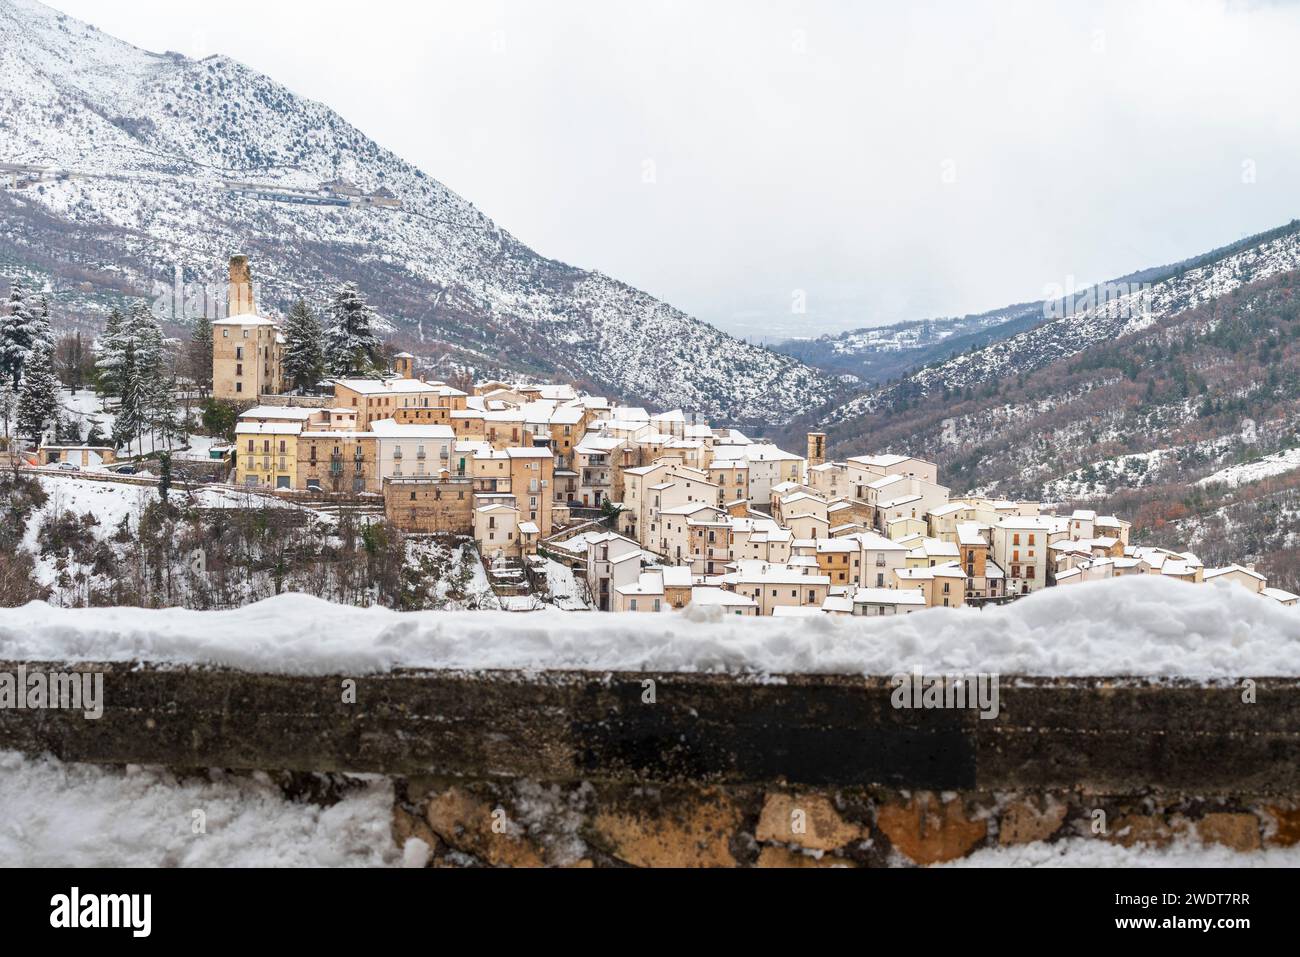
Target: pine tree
{"points": [[351, 346], [38, 397], [200, 353], [304, 359], [8, 406], [146, 335], [42, 329], [164, 476], [162, 414], [131, 411], [110, 351], [18, 329]]}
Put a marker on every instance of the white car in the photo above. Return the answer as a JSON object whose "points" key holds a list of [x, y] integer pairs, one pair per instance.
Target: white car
{"points": [[69, 467]]}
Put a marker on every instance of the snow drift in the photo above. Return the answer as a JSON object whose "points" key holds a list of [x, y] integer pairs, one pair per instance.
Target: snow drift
{"points": [[1132, 626]]}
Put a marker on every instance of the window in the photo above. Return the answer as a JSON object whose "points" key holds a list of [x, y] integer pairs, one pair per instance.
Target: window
{"points": [[632, 605], [225, 333], [239, 387]]}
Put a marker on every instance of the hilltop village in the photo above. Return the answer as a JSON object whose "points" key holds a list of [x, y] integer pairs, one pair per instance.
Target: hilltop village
{"points": [[656, 511]]}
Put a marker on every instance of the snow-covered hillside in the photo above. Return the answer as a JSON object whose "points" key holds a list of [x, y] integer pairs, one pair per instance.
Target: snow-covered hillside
{"points": [[151, 140], [1084, 323]]}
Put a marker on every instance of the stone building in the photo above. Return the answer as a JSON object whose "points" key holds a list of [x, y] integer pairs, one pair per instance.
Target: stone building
{"points": [[430, 505], [247, 349]]}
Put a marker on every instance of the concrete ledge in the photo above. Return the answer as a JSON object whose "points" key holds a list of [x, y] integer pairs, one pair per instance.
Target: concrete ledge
{"points": [[1103, 735]]}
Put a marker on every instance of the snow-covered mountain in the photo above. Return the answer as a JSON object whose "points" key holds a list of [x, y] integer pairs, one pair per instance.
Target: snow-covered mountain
{"points": [[1067, 327], [133, 154]]}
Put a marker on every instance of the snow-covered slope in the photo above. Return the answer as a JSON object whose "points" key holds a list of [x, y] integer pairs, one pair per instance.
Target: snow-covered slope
{"points": [[1085, 322], [152, 139]]}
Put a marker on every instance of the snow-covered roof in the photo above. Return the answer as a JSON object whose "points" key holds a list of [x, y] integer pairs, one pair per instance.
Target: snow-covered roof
{"points": [[1240, 569], [268, 428], [889, 596], [278, 412], [247, 319], [711, 595], [386, 386], [390, 428]]}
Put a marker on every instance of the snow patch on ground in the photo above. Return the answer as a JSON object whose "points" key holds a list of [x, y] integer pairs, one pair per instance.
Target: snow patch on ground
{"points": [[79, 815], [1099, 852], [1278, 463], [1137, 625]]}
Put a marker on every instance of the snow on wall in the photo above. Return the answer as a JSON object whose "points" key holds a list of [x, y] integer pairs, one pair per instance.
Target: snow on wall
{"points": [[1141, 625]]}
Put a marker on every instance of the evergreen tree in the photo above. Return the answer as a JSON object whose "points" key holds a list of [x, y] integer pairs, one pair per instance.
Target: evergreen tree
{"points": [[164, 475], [110, 351], [200, 353], [142, 329], [8, 406], [42, 330], [18, 333], [304, 360], [38, 397], [129, 425], [162, 414], [351, 346]]}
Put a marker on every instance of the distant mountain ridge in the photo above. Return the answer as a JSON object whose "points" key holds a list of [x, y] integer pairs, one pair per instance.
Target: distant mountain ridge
{"points": [[878, 354], [153, 141], [1164, 291]]}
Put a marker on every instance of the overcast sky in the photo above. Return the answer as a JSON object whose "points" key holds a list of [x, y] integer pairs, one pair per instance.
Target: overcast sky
{"points": [[883, 161]]}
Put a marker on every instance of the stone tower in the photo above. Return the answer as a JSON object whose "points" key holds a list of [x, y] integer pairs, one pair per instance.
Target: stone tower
{"points": [[816, 448], [239, 293]]}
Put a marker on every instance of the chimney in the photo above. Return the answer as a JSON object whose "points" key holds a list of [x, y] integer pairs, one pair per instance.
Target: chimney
{"points": [[239, 294], [816, 448]]}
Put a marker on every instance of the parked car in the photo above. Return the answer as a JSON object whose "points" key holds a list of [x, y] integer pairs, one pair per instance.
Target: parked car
{"points": [[69, 467], [124, 469]]}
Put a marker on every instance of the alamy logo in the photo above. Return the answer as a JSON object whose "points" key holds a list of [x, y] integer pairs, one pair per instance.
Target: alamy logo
{"points": [[59, 690], [976, 690], [1122, 300], [102, 910]]}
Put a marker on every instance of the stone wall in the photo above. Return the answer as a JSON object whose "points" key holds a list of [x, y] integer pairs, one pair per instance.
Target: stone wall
{"points": [[296, 401], [429, 505], [576, 768]]}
